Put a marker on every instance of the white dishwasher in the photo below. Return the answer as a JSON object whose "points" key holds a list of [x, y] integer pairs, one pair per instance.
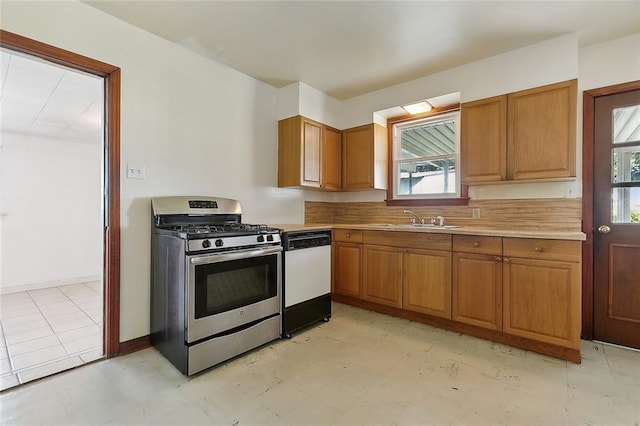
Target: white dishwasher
{"points": [[307, 278]]}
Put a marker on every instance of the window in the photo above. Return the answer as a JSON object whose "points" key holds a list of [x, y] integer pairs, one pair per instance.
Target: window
{"points": [[425, 156]]}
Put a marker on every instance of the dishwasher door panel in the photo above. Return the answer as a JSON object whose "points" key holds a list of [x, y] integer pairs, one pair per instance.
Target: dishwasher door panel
{"points": [[307, 274]]}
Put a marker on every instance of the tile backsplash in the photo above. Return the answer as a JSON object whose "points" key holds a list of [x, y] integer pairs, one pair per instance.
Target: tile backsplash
{"points": [[532, 214]]}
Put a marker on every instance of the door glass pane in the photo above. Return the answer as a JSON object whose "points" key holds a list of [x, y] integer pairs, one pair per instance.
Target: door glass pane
{"points": [[428, 177], [625, 165], [625, 205], [626, 124]]}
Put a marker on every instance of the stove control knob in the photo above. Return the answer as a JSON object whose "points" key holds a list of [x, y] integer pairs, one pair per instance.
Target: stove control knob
{"points": [[206, 244], [261, 238], [219, 243], [269, 237]]}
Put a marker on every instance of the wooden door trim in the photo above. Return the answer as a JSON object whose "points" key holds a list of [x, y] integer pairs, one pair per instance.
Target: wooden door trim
{"points": [[588, 147], [111, 75]]}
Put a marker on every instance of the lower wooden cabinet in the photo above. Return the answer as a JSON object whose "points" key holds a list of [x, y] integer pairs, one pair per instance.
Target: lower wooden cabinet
{"points": [[477, 281], [382, 278], [515, 287], [541, 287], [347, 262], [426, 284], [477, 290], [542, 300]]}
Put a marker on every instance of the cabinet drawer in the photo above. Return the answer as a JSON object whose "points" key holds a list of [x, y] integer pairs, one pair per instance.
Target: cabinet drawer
{"points": [[347, 235], [477, 244], [418, 240], [568, 251]]}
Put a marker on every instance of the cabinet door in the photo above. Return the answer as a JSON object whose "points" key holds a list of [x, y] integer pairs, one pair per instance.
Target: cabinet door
{"points": [[311, 141], [477, 290], [347, 269], [541, 141], [483, 140], [331, 158], [364, 157], [427, 282], [542, 300], [382, 278]]}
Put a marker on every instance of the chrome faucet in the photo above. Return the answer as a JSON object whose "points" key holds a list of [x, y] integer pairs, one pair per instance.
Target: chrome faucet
{"points": [[439, 219], [415, 217]]}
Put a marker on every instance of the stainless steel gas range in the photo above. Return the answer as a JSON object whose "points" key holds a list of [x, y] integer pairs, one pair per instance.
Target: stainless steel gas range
{"points": [[216, 283]]}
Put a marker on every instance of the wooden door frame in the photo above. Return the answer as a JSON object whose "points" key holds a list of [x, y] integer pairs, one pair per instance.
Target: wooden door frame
{"points": [[588, 147], [111, 259]]}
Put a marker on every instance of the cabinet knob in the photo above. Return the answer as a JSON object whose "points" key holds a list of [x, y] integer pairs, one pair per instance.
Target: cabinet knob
{"points": [[476, 244], [498, 259], [538, 249], [348, 235], [506, 260]]}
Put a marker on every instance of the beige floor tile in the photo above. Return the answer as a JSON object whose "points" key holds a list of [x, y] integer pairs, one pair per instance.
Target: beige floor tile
{"points": [[38, 357], [5, 366], [83, 344], [18, 311], [78, 333], [28, 335], [91, 355], [33, 345], [8, 381], [48, 369], [61, 327]]}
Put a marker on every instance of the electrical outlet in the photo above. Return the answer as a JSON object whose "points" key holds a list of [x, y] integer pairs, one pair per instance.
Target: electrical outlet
{"points": [[476, 213], [135, 171]]}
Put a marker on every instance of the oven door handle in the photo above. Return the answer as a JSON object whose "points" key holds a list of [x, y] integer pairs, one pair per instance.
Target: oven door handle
{"points": [[234, 255]]}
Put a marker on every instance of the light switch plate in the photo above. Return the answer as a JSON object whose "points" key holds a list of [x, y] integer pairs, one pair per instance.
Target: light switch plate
{"points": [[475, 213], [135, 171]]}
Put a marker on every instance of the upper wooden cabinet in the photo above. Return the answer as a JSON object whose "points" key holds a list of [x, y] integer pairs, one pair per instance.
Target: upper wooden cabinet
{"points": [[524, 135], [364, 157], [483, 133], [308, 154], [541, 135], [331, 158]]}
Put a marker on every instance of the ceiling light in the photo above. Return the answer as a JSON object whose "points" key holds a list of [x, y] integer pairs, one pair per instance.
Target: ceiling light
{"points": [[418, 107]]}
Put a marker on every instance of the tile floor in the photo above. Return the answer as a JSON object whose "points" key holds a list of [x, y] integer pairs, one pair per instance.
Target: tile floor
{"points": [[50, 330], [359, 368]]}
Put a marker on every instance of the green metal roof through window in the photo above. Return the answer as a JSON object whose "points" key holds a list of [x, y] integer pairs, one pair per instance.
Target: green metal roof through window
{"points": [[429, 140]]}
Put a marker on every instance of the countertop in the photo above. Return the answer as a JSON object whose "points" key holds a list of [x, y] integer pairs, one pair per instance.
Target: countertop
{"points": [[469, 230], [288, 227], [465, 230]]}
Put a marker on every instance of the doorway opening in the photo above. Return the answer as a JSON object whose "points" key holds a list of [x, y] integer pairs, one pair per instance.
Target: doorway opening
{"points": [[72, 235]]}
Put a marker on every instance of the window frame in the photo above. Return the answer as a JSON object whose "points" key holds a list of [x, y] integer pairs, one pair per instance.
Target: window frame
{"points": [[461, 198]]}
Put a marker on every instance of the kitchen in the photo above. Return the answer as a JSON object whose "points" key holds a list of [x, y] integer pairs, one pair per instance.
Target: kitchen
{"points": [[169, 107]]}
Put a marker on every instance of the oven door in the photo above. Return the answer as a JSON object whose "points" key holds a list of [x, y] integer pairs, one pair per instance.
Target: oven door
{"points": [[232, 289]]}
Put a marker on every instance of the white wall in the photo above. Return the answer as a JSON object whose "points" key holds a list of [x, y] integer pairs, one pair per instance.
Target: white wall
{"points": [[197, 126], [52, 212], [301, 99], [613, 62]]}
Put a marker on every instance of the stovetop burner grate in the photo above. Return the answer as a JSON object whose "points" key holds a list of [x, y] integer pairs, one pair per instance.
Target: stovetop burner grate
{"points": [[219, 229]]}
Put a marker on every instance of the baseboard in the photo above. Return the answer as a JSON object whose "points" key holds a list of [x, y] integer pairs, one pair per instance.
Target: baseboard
{"points": [[134, 345], [48, 284]]}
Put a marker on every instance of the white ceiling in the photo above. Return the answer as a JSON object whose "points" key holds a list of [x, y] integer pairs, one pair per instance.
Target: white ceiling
{"points": [[42, 99], [347, 48]]}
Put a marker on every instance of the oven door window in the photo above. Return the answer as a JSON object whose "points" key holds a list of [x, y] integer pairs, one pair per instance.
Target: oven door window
{"points": [[224, 286]]}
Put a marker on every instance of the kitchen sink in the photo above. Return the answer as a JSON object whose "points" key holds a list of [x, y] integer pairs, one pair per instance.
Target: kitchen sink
{"points": [[412, 225], [431, 226]]}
